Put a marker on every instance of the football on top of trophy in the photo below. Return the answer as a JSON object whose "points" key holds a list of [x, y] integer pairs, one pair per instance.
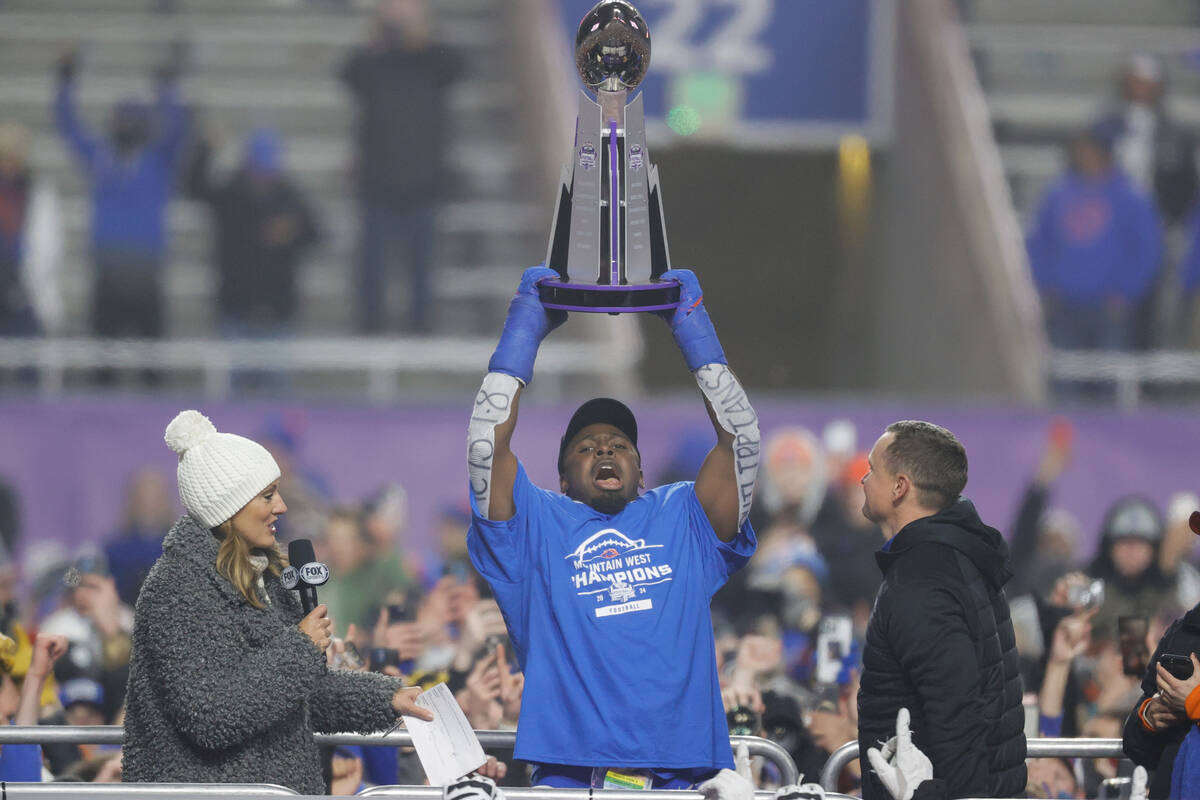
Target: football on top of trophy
{"points": [[612, 47]]}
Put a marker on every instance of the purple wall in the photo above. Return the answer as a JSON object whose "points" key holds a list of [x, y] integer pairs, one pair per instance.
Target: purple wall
{"points": [[69, 460]]}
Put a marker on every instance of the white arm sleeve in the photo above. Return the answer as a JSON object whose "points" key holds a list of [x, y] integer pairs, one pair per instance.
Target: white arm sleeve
{"points": [[736, 415], [492, 406]]}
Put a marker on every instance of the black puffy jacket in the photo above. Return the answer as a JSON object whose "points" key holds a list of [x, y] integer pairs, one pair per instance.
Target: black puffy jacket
{"points": [[1156, 750], [940, 643]]}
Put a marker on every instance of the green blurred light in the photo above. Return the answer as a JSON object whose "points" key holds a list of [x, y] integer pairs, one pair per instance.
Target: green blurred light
{"points": [[684, 120], [711, 90]]}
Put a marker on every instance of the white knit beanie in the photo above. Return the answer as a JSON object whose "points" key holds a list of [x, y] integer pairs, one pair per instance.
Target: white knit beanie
{"points": [[219, 473]]}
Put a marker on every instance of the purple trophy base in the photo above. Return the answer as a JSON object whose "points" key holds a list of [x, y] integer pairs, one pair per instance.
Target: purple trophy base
{"points": [[599, 298]]}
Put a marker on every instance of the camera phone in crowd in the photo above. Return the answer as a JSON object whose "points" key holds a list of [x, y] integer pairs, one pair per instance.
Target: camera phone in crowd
{"points": [[833, 645], [381, 657], [400, 612], [743, 721], [1135, 654], [496, 640], [1178, 665], [1089, 595]]}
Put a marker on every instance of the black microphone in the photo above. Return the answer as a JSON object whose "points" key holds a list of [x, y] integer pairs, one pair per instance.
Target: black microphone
{"points": [[305, 573]]}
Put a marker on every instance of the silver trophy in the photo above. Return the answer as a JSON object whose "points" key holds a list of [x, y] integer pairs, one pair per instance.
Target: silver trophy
{"points": [[608, 241]]}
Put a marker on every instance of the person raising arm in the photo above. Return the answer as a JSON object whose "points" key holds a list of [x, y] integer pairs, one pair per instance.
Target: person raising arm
{"points": [[600, 569]]}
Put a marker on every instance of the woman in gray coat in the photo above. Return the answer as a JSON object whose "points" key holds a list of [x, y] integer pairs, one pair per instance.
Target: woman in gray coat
{"points": [[228, 678]]}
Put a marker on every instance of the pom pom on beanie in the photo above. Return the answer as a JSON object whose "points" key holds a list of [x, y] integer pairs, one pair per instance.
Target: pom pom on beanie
{"points": [[188, 429]]}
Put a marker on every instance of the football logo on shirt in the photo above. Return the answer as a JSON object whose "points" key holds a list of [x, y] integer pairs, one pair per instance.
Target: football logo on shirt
{"points": [[603, 546], [614, 568]]}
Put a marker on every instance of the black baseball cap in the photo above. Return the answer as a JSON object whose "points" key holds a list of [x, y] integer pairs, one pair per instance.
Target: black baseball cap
{"points": [[599, 409]]}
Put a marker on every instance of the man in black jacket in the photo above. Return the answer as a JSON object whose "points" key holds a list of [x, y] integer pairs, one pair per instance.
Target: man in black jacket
{"points": [[940, 641]]}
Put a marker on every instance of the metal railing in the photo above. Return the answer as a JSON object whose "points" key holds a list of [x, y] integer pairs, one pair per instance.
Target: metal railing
{"points": [[113, 734], [1129, 372], [69, 790], [1036, 748], [383, 360], [264, 791]]}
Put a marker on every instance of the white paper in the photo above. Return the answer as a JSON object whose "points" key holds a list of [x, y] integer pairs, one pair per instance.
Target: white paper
{"points": [[447, 747]]}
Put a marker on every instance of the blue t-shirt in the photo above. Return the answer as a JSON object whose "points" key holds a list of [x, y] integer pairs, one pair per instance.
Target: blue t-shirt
{"points": [[609, 617]]}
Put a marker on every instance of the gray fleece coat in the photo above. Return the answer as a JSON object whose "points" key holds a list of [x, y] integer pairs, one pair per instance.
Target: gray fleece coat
{"points": [[223, 692]]}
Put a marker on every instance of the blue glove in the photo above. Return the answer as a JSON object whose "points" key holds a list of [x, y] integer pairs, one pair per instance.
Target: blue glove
{"points": [[527, 324], [693, 330]]}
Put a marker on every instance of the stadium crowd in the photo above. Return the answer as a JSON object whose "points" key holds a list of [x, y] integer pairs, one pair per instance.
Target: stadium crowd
{"points": [[788, 628], [262, 225], [1112, 243]]}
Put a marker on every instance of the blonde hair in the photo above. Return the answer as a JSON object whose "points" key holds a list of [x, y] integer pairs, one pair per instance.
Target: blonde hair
{"points": [[233, 562]]}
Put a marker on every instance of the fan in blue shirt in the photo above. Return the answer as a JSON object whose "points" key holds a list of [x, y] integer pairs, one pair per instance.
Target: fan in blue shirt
{"points": [[606, 590]]}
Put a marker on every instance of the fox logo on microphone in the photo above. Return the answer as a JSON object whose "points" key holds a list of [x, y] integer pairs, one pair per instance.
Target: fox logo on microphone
{"points": [[314, 573], [290, 577]]}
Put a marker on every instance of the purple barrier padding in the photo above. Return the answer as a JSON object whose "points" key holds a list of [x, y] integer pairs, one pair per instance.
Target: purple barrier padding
{"points": [[70, 460]]}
